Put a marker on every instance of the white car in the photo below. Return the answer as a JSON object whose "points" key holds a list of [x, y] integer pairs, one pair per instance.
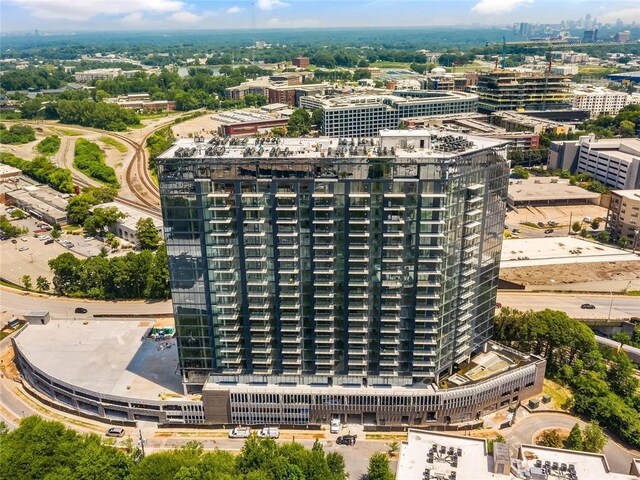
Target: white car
{"points": [[269, 432], [335, 426], [24, 239], [240, 432]]}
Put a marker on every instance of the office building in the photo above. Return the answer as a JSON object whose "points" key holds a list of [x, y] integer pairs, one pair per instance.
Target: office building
{"points": [[614, 162], [599, 100], [509, 90], [319, 277], [366, 115], [261, 85], [622, 37], [440, 456], [624, 216], [518, 122]]}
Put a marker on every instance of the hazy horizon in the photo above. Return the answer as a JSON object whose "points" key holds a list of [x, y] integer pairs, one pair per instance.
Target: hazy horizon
{"points": [[68, 16]]}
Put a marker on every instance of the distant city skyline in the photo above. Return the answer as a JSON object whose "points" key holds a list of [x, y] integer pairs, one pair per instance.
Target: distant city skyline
{"points": [[123, 15]]}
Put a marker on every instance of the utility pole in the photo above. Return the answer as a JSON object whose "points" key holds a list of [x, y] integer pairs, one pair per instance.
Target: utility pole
{"points": [[141, 443]]}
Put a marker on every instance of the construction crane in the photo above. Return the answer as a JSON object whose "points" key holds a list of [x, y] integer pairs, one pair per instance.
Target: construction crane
{"points": [[504, 53]]}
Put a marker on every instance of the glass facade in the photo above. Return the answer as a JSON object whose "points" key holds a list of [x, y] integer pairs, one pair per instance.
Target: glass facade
{"points": [[356, 269]]}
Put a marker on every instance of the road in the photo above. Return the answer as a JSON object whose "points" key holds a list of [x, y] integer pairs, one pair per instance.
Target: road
{"points": [[19, 303], [15, 302], [621, 306], [524, 430]]}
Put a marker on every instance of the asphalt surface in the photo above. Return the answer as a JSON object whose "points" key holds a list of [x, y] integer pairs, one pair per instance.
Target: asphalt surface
{"points": [[620, 306], [525, 429]]}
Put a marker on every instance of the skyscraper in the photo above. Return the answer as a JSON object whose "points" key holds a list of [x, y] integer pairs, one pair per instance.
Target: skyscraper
{"points": [[330, 262]]}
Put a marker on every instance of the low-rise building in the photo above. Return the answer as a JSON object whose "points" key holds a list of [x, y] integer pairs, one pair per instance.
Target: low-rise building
{"points": [[599, 100], [42, 202], [614, 162], [9, 172], [126, 227], [248, 122], [261, 85], [300, 62], [142, 101], [428, 455], [547, 191], [515, 122], [623, 218], [367, 115], [102, 74]]}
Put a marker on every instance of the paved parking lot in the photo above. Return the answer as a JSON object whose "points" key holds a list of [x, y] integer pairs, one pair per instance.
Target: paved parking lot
{"points": [[31, 256]]}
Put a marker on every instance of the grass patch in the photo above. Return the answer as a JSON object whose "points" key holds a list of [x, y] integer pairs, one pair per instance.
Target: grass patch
{"points": [[4, 283], [531, 224], [71, 228], [121, 147], [558, 393], [70, 133], [386, 436], [89, 159], [380, 64], [634, 293]]}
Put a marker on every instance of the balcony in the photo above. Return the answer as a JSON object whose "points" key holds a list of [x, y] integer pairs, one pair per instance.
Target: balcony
{"points": [[389, 330], [262, 361], [290, 328], [229, 328], [291, 339], [322, 328], [359, 340], [230, 350], [324, 340], [291, 361]]}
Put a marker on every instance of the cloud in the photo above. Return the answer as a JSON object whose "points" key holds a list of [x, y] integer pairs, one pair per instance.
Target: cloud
{"points": [[184, 17], [84, 10], [235, 9], [629, 15], [271, 4], [296, 23], [494, 7], [133, 18]]}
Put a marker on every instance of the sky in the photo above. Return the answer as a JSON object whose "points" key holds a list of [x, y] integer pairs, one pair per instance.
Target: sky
{"points": [[101, 15]]}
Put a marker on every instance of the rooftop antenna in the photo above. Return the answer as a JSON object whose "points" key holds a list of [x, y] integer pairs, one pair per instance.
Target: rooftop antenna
{"points": [[504, 53]]}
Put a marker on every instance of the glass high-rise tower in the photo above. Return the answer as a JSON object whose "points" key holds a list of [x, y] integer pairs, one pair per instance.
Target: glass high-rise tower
{"points": [[333, 261]]}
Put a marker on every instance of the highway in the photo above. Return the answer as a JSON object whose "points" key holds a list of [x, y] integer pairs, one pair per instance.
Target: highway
{"points": [[621, 306], [15, 302], [18, 303]]}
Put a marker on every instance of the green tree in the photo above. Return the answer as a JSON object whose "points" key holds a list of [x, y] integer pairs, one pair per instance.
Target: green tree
{"points": [[379, 467], [593, 439], [603, 237], [299, 123], [623, 242], [622, 337], [393, 449], [520, 172], [576, 226], [574, 440], [595, 224], [157, 285], [42, 284], [335, 462], [550, 438], [26, 281], [317, 119], [583, 232], [627, 128], [147, 234], [621, 376], [101, 219]]}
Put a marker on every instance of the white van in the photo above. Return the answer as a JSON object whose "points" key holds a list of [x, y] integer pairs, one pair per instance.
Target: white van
{"points": [[269, 432], [335, 425], [240, 432]]}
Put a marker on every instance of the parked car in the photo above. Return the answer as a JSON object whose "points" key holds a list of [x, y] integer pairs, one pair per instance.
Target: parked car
{"points": [[548, 231], [24, 239], [515, 230], [48, 242], [22, 249], [335, 426], [587, 306], [115, 432], [347, 440], [80, 310], [14, 241], [541, 224], [269, 432], [498, 305], [240, 432]]}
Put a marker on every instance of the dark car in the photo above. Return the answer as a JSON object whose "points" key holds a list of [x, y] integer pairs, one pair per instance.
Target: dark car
{"points": [[548, 231], [80, 310], [13, 240], [540, 224], [587, 306], [347, 440]]}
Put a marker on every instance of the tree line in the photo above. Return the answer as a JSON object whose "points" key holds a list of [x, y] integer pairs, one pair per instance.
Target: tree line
{"points": [[604, 387], [131, 276], [42, 170], [49, 146], [41, 449]]}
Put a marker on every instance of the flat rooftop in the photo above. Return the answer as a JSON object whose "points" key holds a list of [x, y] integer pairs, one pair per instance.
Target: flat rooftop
{"points": [[528, 252], [588, 466], [629, 194], [104, 356], [401, 144], [473, 464], [547, 189], [398, 97]]}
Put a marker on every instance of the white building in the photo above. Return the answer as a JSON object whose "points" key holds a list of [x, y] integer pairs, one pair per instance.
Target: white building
{"points": [[599, 100], [565, 69], [125, 228], [614, 162], [429, 455]]}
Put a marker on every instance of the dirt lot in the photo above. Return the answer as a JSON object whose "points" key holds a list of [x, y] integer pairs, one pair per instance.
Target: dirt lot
{"points": [[567, 273], [563, 215], [203, 125]]}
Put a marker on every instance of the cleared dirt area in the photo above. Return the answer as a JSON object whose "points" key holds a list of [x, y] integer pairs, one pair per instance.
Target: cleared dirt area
{"points": [[567, 273], [203, 125], [562, 215]]}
